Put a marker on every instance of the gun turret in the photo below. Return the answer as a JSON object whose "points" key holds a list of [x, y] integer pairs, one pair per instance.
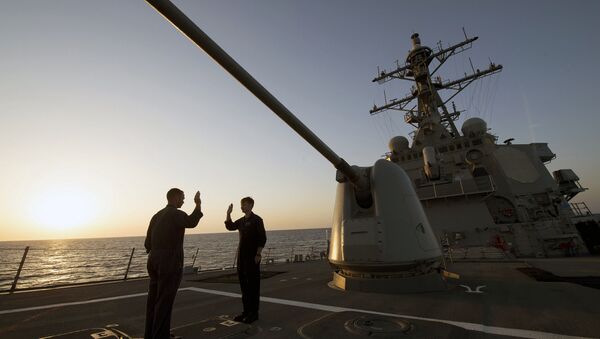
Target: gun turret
{"points": [[386, 231]]}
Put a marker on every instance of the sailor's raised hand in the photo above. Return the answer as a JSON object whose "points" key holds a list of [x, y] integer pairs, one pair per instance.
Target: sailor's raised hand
{"points": [[197, 198], [229, 209]]}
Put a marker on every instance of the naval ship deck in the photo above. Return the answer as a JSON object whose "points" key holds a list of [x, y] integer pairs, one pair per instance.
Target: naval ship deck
{"points": [[491, 299]]}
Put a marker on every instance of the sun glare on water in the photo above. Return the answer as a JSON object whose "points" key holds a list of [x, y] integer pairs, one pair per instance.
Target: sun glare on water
{"points": [[62, 209]]}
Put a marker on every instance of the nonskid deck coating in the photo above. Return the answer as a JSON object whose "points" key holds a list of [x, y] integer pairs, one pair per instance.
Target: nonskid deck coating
{"points": [[299, 303]]}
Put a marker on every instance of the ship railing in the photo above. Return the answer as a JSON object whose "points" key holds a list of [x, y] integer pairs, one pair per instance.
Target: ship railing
{"points": [[580, 209], [37, 268], [460, 187], [294, 254], [478, 253]]}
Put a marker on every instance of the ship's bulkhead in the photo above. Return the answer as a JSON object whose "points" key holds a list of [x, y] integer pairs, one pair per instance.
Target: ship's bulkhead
{"points": [[485, 194]]}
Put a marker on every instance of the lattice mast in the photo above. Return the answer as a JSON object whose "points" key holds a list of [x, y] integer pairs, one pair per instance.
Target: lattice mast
{"points": [[430, 115]]}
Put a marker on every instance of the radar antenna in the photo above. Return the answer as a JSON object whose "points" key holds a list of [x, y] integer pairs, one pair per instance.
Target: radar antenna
{"points": [[426, 87]]}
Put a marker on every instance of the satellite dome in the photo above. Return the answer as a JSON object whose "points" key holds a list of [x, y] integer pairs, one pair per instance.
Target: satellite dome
{"points": [[398, 144], [474, 127]]}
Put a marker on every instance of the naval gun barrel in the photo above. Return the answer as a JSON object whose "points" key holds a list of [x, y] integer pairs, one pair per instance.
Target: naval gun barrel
{"points": [[194, 33]]}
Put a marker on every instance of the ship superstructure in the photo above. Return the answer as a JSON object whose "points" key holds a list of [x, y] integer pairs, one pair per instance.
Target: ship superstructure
{"points": [[475, 191]]}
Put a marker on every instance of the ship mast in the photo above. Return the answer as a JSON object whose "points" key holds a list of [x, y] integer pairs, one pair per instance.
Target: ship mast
{"points": [[431, 117]]}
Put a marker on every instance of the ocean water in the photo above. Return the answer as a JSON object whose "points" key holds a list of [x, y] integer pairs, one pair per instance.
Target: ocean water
{"points": [[59, 262]]}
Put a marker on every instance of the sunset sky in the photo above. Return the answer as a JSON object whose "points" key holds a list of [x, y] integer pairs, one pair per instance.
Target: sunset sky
{"points": [[104, 106]]}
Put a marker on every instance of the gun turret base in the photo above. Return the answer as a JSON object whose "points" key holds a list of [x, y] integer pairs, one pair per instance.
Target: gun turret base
{"points": [[431, 282]]}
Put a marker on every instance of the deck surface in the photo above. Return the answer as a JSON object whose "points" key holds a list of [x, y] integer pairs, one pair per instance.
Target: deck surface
{"points": [[490, 300]]}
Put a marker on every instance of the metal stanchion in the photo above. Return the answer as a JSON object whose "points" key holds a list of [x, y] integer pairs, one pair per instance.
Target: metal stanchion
{"points": [[14, 284]]}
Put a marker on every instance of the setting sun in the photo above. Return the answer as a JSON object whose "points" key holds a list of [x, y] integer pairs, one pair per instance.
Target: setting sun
{"points": [[63, 208]]}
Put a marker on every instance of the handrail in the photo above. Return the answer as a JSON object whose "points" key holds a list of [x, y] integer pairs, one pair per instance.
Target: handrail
{"points": [[45, 268], [460, 187]]}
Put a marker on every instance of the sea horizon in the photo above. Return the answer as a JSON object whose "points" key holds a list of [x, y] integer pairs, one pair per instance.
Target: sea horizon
{"points": [[143, 235]]}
